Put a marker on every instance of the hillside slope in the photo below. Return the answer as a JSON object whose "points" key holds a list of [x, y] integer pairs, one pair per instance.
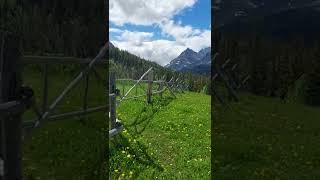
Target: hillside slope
{"points": [[266, 139], [133, 64], [168, 140], [127, 65]]}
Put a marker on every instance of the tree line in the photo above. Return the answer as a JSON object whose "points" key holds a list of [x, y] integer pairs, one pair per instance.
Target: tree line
{"points": [[287, 69], [127, 65], [72, 28]]}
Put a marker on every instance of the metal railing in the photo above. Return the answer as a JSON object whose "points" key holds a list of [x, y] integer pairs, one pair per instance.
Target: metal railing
{"points": [[173, 86]]}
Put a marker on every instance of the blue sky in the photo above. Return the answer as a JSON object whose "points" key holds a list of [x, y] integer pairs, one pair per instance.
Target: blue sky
{"points": [[199, 16], [160, 30]]}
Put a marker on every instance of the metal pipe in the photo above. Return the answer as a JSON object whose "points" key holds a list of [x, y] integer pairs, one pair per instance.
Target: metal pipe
{"points": [[72, 85]]}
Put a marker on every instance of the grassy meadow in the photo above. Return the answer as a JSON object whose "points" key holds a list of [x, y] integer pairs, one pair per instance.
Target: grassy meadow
{"points": [[72, 148], [266, 138], [169, 139]]}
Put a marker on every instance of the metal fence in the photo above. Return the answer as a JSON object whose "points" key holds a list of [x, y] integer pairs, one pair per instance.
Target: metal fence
{"points": [[15, 100], [154, 87], [46, 113], [230, 80]]}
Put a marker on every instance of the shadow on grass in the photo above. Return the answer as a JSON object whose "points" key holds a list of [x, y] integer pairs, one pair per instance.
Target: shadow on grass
{"points": [[66, 149], [139, 155], [141, 122], [130, 155]]}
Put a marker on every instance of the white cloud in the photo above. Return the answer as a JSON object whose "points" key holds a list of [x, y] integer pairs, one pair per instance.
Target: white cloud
{"points": [[115, 30], [134, 37], [159, 14], [200, 41], [145, 12], [161, 51], [195, 39], [175, 30]]}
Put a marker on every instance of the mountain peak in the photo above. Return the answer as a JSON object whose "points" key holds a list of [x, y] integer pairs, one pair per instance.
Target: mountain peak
{"points": [[203, 52], [188, 51], [189, 59], [207, 49], [111, 45]]}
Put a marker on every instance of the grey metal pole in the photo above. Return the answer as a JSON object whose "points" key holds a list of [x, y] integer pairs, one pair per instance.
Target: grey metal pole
{"points": [[149, 91], [2, 124], [136, 83], [71, 85], [11, 124], [85, 96], [45, 88], [112, 99]]}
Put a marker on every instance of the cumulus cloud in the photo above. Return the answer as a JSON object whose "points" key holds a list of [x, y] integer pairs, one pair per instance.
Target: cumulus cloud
{"points": [[134, 37], [159, 14], [176, 30], [186, 35], [115, 30], [161, 51], [145, 12]]}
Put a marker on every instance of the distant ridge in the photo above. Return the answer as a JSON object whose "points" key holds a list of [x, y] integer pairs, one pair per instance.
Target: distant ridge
{"points": [[191, 61]]}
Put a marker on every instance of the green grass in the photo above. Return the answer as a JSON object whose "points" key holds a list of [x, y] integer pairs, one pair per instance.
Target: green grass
{"points": [[67, 150], [71, 148], [265, 138], [169, 139]]}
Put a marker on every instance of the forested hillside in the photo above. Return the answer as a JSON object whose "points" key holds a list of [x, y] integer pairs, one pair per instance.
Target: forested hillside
{"points": [[72, 27], [134, 63], [286, 69], [127, 65]]}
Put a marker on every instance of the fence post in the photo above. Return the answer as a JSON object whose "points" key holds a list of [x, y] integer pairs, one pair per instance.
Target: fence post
{"points": [[45, 88], [232, 92], [123, 86], [181, 86], [85, 96], [169, 88], [161, 88], [112, 99], [11, 124], [230, 77], [149, 91], [170, 82], [176, 85], [136, 90], [234, 75]]}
